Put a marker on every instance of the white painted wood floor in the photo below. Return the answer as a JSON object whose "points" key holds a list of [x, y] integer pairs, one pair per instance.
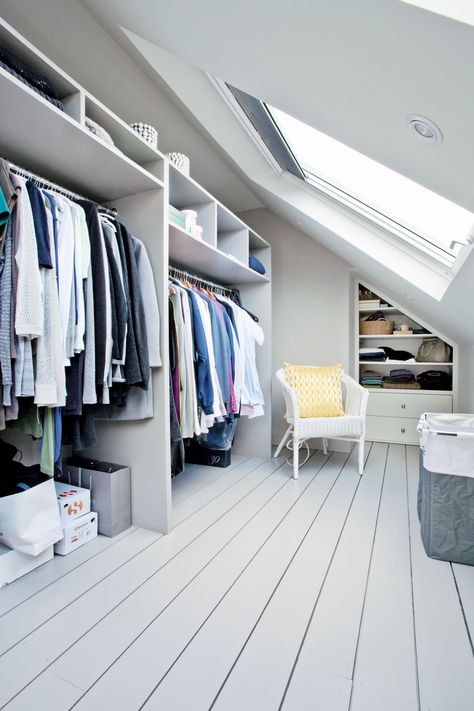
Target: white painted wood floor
{"points": [[269, 594]]}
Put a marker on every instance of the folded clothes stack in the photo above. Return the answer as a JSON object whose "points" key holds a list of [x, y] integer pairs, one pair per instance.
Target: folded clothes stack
{"points": [[371, 379], [372, 354], [24, 73], [435, 380], [399, 379], [396, 355]]}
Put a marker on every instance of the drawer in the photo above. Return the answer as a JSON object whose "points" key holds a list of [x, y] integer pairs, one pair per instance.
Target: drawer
{"points": [[407, 404], [392, 429]]}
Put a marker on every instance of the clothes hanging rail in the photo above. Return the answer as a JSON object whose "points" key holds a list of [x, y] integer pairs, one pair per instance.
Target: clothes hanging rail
{"points": [[48, 184], [198, 281]]}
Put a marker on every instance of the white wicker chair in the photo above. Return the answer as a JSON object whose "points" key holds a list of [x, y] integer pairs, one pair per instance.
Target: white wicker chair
{"points": [[349, 427]]}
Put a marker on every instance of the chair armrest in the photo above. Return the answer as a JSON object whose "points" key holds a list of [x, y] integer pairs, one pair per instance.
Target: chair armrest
{"points": [[356, 397], [291, 399]]}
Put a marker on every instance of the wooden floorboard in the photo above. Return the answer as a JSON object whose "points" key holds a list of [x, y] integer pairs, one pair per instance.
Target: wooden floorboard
{"points": [[464, 576], [269, 594], [109, 612], [197, 476], [178, 622], [323, 667], [46, 575], [46, 605], [385, 674], [258, 676], [446, 680], [243, 603], [205, 495]]}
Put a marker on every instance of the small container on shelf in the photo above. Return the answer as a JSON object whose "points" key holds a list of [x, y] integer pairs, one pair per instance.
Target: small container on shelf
{"points": [[180, 161], [197, 231], [147, 132], [190, 217], [177, 217]]}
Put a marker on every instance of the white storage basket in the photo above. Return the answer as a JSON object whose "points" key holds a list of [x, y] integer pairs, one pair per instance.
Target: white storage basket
{"points": [[447, 443]]}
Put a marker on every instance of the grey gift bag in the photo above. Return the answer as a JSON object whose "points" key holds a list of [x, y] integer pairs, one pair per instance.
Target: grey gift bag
{"points": [[110, 487]]}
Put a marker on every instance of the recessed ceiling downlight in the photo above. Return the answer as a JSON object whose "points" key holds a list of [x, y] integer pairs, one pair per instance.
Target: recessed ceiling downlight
{"points": [[424, 129]]}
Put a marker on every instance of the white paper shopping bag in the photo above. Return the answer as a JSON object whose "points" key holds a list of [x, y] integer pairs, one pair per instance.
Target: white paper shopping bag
{"points": [[30, 520]]}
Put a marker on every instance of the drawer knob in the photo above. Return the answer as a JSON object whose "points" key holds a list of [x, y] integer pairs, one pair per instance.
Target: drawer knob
{"points": [[403, 406], [402, 430]]}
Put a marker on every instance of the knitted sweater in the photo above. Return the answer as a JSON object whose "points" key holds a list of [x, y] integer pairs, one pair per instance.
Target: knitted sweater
{"points": [[29, 302]]}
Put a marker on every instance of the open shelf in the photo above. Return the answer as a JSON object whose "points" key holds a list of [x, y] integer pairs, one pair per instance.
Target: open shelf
{"points": [[409, 391], [399, 363], [257, 242], [384, 309], [187, 252], [124, 137], [398, 338], [37, 135]]}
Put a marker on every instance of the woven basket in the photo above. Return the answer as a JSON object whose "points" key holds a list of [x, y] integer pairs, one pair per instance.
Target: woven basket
{"points": [[382, 327]]}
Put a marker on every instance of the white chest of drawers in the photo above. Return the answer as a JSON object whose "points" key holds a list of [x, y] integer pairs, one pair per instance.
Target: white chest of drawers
{"points": [[393, 417]]}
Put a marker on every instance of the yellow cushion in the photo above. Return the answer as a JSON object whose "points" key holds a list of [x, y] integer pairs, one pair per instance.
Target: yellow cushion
{"points": [[318, 389]]}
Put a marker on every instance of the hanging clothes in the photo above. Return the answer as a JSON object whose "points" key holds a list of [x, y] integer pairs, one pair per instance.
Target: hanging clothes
{"points": [[213, 358], [79, 317]]}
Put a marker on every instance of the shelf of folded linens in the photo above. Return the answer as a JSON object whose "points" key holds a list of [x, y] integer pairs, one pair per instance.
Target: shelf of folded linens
{"points": [[397, 337], [409, 364], [408, 391], [40, 137], [186, 251]]}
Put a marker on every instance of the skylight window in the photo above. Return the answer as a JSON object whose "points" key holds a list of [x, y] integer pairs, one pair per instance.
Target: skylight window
{"points": [[425, 218]]}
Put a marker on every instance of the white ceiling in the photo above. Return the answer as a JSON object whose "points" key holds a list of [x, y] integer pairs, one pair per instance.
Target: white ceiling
{"points": [[354, 70]]}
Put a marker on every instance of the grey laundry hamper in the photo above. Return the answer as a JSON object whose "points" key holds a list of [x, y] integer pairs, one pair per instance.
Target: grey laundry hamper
{"points": [[446, 488]]}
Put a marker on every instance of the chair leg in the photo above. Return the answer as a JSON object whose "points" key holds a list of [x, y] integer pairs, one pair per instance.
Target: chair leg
{"points": [[325, 446], [361, 456], [296, 456], [285, 437]]}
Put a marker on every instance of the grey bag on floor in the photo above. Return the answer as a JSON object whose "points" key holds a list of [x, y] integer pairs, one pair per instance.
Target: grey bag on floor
{"points": [[446, 513], [110, 487]]}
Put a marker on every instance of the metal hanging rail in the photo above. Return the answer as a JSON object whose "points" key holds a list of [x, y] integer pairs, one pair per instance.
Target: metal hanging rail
{"points": [[49, 185], [181, 274]]}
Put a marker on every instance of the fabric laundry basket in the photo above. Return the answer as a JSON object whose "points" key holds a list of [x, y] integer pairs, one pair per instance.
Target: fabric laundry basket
{"points": [[446, 488]]}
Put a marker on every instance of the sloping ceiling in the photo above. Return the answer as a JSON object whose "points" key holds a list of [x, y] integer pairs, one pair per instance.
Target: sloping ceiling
{"points": [[354, 70]]}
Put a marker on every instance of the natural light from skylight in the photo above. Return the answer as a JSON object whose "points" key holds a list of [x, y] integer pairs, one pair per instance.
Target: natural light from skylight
{"points": [[427, 215]]}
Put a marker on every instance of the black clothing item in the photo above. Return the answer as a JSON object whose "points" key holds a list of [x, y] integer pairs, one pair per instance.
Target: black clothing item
{"points": [[235, 297], [396, 355], [435, 380], [119, 305], [56, 102], [74, 385], [176, 440], [137, 364], [79, 430], [100, 286], [26, 72], [41, 225]]}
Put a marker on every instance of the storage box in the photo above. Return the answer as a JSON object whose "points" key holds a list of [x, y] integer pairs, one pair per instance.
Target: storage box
{"points": [[197, 454], [74, 501], [77, 532], [177, 217], [14, 564], [110, 491]]}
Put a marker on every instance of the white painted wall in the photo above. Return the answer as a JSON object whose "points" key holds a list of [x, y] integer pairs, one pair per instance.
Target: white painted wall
{"points": [[311, 293], [68, 34], [466, 377]]}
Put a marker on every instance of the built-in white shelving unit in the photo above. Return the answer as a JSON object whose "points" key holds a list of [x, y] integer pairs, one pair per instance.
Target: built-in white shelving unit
{"points": [[138, 180], [393, 413]]}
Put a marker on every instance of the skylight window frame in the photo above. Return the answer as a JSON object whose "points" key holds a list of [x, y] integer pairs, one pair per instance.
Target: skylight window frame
{"points": [[408, 239]]}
